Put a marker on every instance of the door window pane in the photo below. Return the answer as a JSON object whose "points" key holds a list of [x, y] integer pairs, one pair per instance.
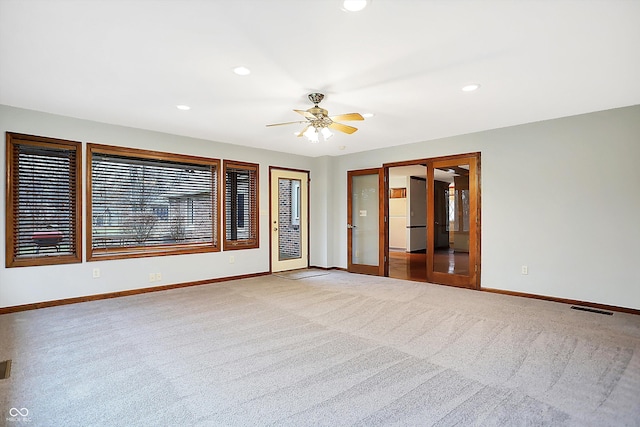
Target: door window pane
{"points": [[451, 219], [364, 220], [289, 233]]}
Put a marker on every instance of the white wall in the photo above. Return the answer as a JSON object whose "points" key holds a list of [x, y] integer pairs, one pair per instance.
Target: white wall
{"points": [[319, 212], [26, 285], [560, 196]]}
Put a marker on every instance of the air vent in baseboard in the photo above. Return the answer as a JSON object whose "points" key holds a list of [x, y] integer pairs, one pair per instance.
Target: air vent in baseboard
{"points": [[591, 310], [5, 369]]}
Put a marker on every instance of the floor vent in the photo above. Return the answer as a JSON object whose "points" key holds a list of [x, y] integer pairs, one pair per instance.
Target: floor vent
{"points": [[591, 310], [5, 369]]}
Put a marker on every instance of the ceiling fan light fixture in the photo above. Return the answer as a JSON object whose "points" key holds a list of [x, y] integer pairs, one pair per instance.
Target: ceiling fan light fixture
{"points": [[312, 134], [354, 5], [318, 121], [326, 133]]}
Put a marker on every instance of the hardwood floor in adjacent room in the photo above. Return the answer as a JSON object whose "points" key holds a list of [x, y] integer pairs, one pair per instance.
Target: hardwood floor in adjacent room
{"points": [[413, 265], [408, 265], [450, 261]]}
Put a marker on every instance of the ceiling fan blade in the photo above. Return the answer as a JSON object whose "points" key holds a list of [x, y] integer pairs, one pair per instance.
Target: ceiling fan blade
{"points": [[306, 114], [342, 128], [287, 123], [347, 117], [299, 134]]}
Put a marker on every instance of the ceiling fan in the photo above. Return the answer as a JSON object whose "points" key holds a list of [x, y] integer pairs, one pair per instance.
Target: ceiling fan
{"points": [[319, 122]]}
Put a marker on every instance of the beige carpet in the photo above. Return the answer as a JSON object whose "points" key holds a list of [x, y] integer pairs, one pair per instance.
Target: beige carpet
{"points": [[336, 349], [301, 274]]}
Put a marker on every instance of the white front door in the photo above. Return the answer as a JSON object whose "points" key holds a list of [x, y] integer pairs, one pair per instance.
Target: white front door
{"points": [[289, 219]]}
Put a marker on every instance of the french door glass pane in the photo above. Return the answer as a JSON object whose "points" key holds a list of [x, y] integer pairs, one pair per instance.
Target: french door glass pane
{"points": [[364, 219], [451, 219], [289, 232]]}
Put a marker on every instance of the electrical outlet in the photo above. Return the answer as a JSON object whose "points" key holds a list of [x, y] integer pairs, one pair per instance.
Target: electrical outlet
{"points": [[158, 277], [152, 277], [96, 273], [232, 259], [525, 269]]}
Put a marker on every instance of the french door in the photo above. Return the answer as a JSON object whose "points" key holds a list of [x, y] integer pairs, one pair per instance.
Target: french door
{"points": [[289, 219], [442, 193], [452, 217], [453, 220], [365, 221]]}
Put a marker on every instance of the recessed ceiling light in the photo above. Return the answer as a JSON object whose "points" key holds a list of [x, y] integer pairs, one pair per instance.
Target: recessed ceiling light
{"points": [[242, 71], [470, 87], [367, 115], [354, 5], [183, 107]]}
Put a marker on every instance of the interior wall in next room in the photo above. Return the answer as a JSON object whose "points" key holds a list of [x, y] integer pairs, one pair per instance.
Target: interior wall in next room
{"points": [[417, 215], [398, 213]]}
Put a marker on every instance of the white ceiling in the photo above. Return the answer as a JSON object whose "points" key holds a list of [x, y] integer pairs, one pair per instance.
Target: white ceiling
{"points": [[131, 62]]}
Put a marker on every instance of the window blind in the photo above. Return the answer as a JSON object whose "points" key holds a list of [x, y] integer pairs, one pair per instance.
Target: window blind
{"points": [[140, 204], [43, 202], [241, 205]]}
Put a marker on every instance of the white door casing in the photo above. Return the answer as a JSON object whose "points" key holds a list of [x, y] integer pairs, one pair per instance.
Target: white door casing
{"points": [[289, 219]]}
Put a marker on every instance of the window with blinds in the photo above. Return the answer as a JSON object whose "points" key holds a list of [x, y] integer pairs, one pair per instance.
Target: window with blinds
{"points": [[240, 205], [43, 201], [144, 203]]}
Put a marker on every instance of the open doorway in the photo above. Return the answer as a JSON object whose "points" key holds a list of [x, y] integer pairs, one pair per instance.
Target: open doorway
{"points": [[408, 222]]}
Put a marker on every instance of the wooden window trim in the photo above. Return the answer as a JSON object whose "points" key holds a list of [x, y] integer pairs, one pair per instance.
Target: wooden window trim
{"points": [[156, 250], [246, 243], [13, 139]]}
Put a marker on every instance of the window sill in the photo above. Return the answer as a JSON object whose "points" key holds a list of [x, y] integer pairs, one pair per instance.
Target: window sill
{"points": [[133, 252]]}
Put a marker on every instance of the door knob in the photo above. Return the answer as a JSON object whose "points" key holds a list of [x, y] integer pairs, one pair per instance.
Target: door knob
{"points": [[351, 226]]}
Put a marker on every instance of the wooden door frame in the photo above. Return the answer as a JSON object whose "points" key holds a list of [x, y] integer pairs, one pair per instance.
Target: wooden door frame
{"points": [[272, 168], [382, 267]]}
